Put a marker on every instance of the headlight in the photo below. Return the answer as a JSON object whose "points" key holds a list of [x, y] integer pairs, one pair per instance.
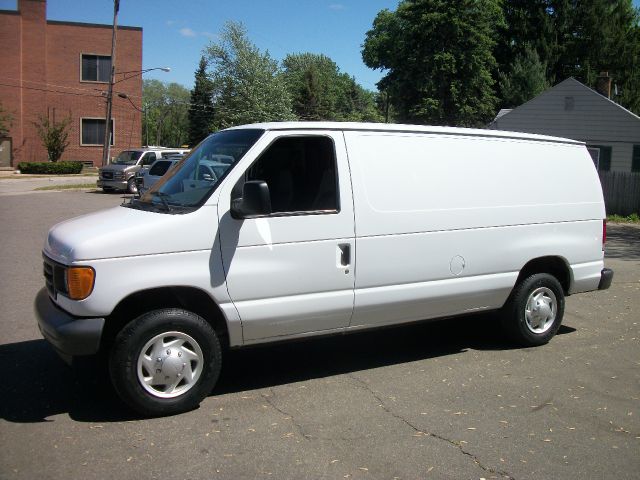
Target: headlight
{"points": [[79, 282]]}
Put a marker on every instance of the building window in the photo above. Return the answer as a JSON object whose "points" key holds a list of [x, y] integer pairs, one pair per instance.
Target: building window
{"points": [[635, 159], [92, 131], [601, 155], [95, 68]]}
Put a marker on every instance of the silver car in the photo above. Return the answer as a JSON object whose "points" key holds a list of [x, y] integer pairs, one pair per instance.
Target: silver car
{"points": [[146, 178]]}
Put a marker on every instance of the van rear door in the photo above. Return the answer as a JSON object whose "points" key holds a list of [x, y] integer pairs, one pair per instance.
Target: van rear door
{"points": [[291, 272]]}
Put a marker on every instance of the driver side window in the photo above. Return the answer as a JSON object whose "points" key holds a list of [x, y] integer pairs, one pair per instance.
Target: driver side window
{"points": [[301, 175]]}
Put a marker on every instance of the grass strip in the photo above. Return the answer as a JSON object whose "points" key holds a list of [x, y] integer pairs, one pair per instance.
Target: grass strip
{"points": [[71, 186]]}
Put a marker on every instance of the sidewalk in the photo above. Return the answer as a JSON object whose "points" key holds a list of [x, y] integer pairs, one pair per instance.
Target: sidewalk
{"points": [[19, 184]]}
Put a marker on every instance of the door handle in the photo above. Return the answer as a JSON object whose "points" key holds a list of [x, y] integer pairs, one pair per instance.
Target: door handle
{"points": [[345, 254]]}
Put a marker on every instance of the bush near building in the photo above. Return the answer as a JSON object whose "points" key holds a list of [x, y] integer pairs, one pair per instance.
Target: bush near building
{"points": [[45, 168]]}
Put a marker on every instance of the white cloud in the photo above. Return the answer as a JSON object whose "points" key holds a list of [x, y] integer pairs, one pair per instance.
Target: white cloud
{"points": [[209, 35], [337, 6], [187, 32], [170, 23]]}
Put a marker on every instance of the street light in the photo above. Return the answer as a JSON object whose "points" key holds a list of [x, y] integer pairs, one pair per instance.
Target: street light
{"points": [[106, 147], [136, 73]]}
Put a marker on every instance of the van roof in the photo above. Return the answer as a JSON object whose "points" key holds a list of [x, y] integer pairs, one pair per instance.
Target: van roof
{"points": [[391, 127]]}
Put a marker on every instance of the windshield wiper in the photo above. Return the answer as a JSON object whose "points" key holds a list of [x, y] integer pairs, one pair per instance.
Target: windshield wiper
{"points": [[163, 198]]}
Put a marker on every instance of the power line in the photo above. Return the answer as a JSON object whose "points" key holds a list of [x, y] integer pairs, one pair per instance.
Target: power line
{"points": [[47, 84], [51, 91]]}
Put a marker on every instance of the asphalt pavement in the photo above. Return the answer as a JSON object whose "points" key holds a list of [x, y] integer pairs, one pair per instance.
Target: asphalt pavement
{"points": [[443, 400]]}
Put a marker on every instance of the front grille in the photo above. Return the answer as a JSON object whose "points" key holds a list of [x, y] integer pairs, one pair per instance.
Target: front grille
{"points": [[48, 278], [106, 175], [54, 276]]}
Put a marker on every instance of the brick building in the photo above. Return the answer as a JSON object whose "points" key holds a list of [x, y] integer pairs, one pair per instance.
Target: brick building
{"points": [[61, 69]]}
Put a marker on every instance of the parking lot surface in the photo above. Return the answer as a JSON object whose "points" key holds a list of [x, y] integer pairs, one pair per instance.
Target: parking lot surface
{"points": [[447, 399]]}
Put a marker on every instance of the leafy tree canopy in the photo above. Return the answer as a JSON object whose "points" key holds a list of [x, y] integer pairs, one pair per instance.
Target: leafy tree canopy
{"points": [[526, 79], [438, 56], [201, 107], [166, 108], [321, 92], [247, 85], [576, 38]]}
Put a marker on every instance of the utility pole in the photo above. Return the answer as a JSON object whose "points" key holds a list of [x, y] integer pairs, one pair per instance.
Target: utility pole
{"points": [[146, 124], [107, 124]]}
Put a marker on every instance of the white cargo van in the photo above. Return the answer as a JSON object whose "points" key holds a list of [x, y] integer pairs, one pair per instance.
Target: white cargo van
{"points": [[322, 228]]}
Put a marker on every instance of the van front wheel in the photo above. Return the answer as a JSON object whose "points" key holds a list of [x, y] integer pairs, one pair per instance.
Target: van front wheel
{"points": [[165, 362], [533, 313]]}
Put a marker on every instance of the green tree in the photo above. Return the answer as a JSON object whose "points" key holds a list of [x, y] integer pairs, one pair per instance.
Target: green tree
{"points": [[201, 107], [438, 55], [6, 121], [526, 79], [247, 84], [321, 92], [597, 36], [312, 83], [355, 103], [54, 135], [576, 38], [529, 27], [166, 107]]}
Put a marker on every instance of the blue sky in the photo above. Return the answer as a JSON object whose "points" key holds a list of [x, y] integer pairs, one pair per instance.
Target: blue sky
{"points": [[175, 32]]}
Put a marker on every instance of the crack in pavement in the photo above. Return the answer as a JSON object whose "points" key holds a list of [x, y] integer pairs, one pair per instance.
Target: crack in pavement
{"points": [[362, 384], [301, 431]]}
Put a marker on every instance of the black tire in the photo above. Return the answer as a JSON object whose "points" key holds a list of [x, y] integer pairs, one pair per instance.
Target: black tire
{"points": [[127, 349], [519, 324], [131, 186]]}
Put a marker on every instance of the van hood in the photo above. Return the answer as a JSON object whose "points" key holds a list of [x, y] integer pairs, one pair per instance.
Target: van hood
{"points": [[125, 232]]}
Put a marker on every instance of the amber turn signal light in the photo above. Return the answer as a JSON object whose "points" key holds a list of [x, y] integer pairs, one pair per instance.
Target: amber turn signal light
{"points": [[80, 282]]}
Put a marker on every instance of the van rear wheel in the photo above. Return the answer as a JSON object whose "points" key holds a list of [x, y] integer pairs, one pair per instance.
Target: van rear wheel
{"points": [[165, 362], [533, 314]]}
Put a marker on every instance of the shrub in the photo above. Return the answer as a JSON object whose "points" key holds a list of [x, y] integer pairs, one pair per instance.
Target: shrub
{"points": [[633, 218], [47, 168], [53, 135]]}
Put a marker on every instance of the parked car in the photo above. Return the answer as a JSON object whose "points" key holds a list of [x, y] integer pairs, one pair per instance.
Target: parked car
{"points": [[120, 174], [311, 230], [146, 178]]}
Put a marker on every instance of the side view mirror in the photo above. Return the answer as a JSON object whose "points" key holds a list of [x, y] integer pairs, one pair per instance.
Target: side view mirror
{"points": [[255, 200]]}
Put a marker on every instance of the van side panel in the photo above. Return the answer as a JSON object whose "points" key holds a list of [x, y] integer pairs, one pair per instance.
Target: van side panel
{"points": [[445, 223], [408, 277], [407, 183]]}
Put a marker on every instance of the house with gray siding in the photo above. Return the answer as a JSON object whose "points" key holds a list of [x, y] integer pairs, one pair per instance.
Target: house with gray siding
{"points": [[573, 110]]}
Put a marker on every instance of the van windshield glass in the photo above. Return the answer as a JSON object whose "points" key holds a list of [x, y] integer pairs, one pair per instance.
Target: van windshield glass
{"points": [[193, 180], [128, 157]]}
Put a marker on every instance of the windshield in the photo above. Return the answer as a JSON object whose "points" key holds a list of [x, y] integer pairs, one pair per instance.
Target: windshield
{"points": [[128, 157], [193, 180]]}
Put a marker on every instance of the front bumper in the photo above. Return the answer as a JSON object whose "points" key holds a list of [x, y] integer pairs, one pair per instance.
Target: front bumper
{"points": [[606, 277], [70, 336], [115, 184]]}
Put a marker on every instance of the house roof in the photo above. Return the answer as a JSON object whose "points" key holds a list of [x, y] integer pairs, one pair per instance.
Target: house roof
{"points": [[569, 81], [570, 109]]}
